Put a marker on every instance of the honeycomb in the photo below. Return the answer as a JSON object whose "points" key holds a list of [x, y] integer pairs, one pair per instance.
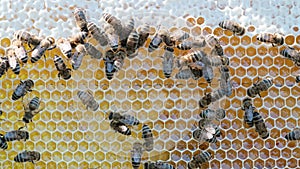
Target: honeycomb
{"points": [[69, 136]]}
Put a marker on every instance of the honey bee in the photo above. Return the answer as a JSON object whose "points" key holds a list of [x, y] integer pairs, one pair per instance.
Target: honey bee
{"points": [[127, 29], [114, 22], [120, 127], [291, 54], [217, 94], [143, 34], [189, 44], [213, 61], [190, 58], [234, 27], [80, 19], [27, 37], [28, 156], [213, 114], [205, 100], [92, 51], [298, 79], [119, 58], [77, 57], [168, 61], [208, 73], [3, 66], [20, 51], [109, 64], [113, 41], [214, 138], [77, 39], [260, 125], [178, 36], [184, 74], [275, 39], [258, 87], [208, 129], [88, 100], [148, 137], [249, 109], [13, 61], [126, 118], [196, 71], [65, 47], [97, 33], [157, 39], [3, 143], [158, 165], [293, 135], [214, 43], [16, 135], [136, 155], [31, 109], [61, 67], [22, 89], [39, 51], [199, 159], [132, 44], [225, 83]]}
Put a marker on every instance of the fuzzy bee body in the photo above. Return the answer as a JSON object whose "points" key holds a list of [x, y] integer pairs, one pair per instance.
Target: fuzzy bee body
{"points": [[261, 86], [199, 159], [65, 47], [158, 165], [293, 135], [3, 143], [113, 41], [213, 61], [214, 138], [184, 74], [213, 114], [132, 44], [77, 57], [208, 73], [114, 22], [127, 29], [196, 72], [155, 42], [275, 39], [120, 127], [291, 54], [214, 43], [148, 137], [80, 19], [190, 58], [39, 51], [205, 101], [97, 34], [22, 89], [136, 155], [249, 109], [27, 37], [189, 44], [168, 61], [88, 100], [61, 67], [143, 34], [77, 39], [225, 83], [3, 66], [109, 64], [31, 109], [20, 51], [119, 58], [16, 135], [92, 51], [260, 125], [178, 36], [14, 63], [217, 94], [235, 27], [28, 156], [126, 118]]}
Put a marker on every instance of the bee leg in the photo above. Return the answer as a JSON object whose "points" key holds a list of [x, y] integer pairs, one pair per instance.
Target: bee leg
{"points": [[51, 47], [20, 128], [32, 162]]}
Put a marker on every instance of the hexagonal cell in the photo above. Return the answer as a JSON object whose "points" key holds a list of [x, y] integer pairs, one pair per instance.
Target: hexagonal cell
{"points": [[251, 51], [220, 155], [281, 163], [196, 31], [231, 154], [78, 156], [292, 163], [240, 72], [245, 40], [234, 40], [245, 61], [253, 154], [206, 30], [248, 164], [229, 51], [290, 102], [226, 164], [234, 62], [289, 40], [225, 144]]}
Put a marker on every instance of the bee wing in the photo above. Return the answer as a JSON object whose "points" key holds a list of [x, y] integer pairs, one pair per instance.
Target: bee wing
{"points": [[12, 60], [20, 52], [210, 129], [209, 135]]}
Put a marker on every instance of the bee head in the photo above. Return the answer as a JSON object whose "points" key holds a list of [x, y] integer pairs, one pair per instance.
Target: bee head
{"points": [[110, 115], [26, 135], [25, 120], [30, 83]]}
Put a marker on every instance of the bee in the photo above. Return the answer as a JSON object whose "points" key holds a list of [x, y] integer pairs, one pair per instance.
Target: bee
{"points": [[126, 118], [234, 27], [214, 43], [204, 135], [275, 39], [28, 156], [20, 51], [159, 37], [3, 143], [205, 100], [77, 39], [14, 63], [27, 37], [97, 34], [22, 89], [217, 94], [80, 19], [136, 155], [158, 165], [143, 34], [39, 51], [132, 44], [65, 47], [119, 58], [190, 58], [213, 61], [178, 36], [199, 159], [120, 127], [148, 137], [31, 109], [92, 51], [291, 54], [225, 83], [298, 79], [214, 138], [184, 74], [293, 135], [249, 109], [260, 125], [168, 61], [114, 22], [208, 128], [109, 64], [189, 44], [88, 100], [213, 114], [208, 73], [127, 29], [3, 66], [196, 72], [16, 135], [77, 57], [258, 87], [61, 67], [113, 41]]}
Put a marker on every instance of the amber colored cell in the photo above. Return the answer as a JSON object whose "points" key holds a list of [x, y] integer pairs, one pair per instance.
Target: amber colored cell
{"points": [[251, 28], [292, 163], [259, 163], [245, 40], [218, 31], [234, 40], [284, 71], [240, 51], [196, 31], [251, 51], [289, 39], [206, 31], [200, 20], [240, 72], [190, 22], [273, 51]]}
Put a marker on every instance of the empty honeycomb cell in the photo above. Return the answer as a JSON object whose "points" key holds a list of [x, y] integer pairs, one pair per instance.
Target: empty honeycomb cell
{"points": [[292, 163], [78, 156], [281, 163], [73, 164], [281, 142], [296, 112], [284, 71], [251, 51], [196, 31], [262, 71], [218, 31], [290, 102], [245, 61], [269, 102], [206, 30], [262, 51], [279, 102], [57, 156], [231, 154], [67, 136], [226, 164], [296, 153]]}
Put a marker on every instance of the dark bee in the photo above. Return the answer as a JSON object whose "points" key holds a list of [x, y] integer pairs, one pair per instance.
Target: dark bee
{"points": [[234, 27], [39, 51], [298, 79], [80, 19], [109, 64], [189, 44], [114, 22], [126, 118], [214, 138], [14, 63], [27, 37], [136, 155], [119, 58], [213, 114], [88, 100], [126, 31], [293, 135], [208, 73], [148, 137], [291, 54], [217, 94], [158, 165], [199, 159], [22, 89], [120, 127], [16, 135], [132, 44], [258, 87], [168, 61], [28, 156], [92, 51], [190, 58], [65, 47], [113, 40], [143, 34], [61, 67], [212, 61], [20, 51], [275, 39], [77, 39], [225, 83], [159, 37], [260, 125], [3, 143], [3, 66], [77, 57], [31, 109], [97, 34], [194, 72], [249, 109], [205, 101], [214, 43]]}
